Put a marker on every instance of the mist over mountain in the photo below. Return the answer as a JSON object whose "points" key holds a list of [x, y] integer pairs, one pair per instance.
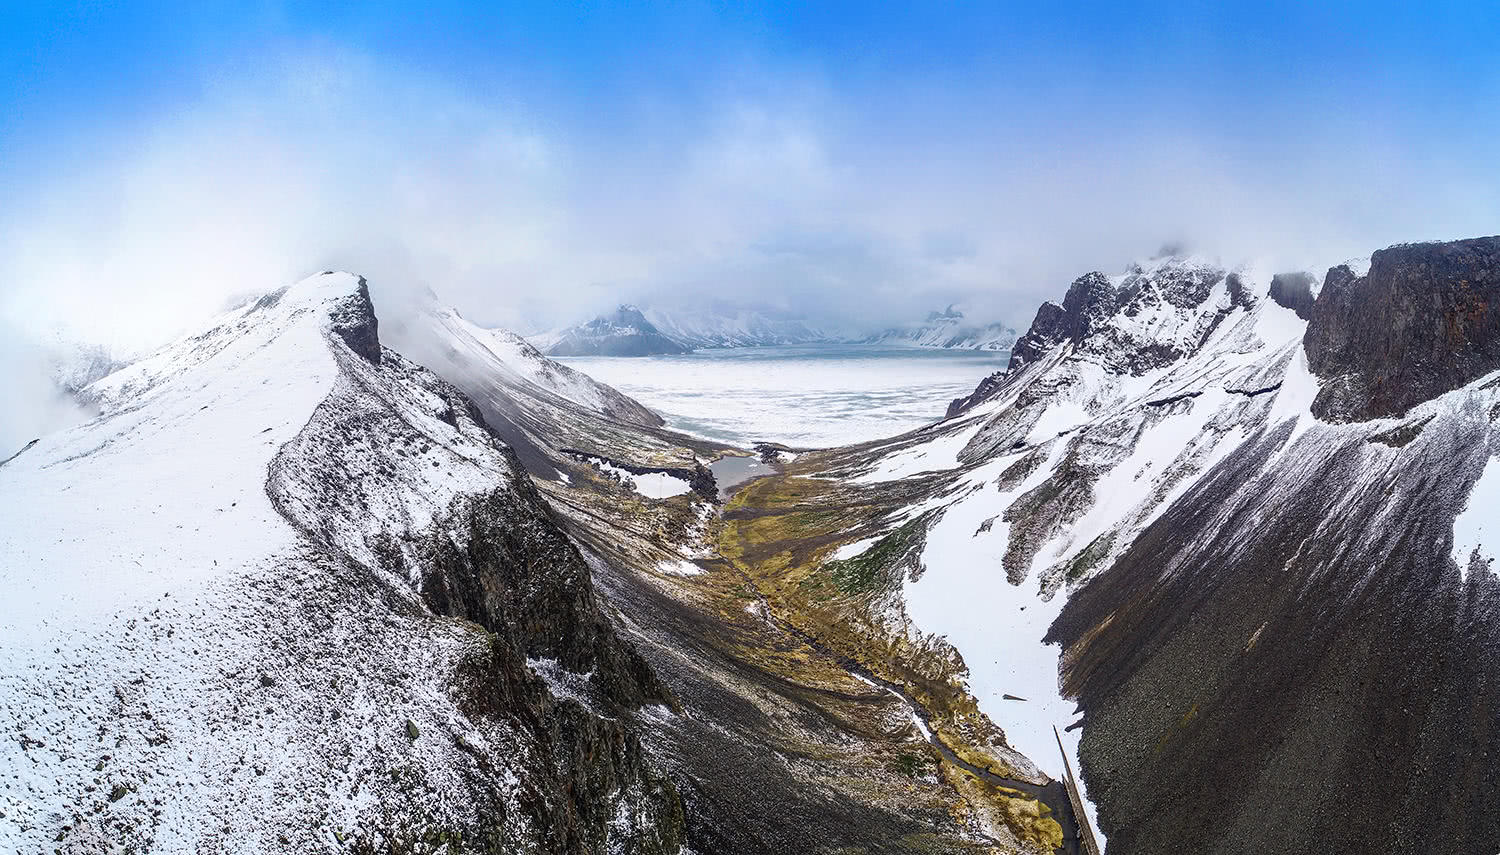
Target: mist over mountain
{"points": [[528, 428], [629, 331]]}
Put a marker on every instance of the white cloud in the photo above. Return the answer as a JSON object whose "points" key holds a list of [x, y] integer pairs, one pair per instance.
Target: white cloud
{"points": [[785, 189]]}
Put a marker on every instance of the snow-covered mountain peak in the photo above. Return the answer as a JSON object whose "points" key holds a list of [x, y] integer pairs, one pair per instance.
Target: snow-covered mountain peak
{"points": [[949, 328], [623, 332]]}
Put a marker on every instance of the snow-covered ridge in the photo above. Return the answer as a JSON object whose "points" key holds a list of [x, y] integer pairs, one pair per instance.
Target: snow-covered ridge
{"points": [[199, 421], [732, 328], [623, 332], [213, 637], [1116, 401]]}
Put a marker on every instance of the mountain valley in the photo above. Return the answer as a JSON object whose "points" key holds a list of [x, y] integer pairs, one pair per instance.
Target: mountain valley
{"points": [[1216, 545]]}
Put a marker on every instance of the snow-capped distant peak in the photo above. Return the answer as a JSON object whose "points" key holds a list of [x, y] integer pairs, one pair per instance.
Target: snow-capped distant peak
{"points": [[949, 328]]}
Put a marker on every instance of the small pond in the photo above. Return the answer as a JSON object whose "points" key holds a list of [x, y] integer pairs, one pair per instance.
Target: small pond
{"points": [[731, 472]]}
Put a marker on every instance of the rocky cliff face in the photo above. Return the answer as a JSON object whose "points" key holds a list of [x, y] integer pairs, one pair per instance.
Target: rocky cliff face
{"points": [[1295, 292], [1424, 320]]}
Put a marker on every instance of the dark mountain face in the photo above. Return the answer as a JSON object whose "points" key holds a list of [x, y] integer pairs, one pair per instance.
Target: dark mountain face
{"points": [[1294, 291], [1289, 658], [500, 560], [1424, 320]]}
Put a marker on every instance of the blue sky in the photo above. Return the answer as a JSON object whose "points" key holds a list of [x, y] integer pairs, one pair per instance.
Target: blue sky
{"points": [[533, 162]]}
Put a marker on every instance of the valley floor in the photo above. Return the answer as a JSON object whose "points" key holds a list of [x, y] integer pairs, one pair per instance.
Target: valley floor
{"points": [[780, 652]]}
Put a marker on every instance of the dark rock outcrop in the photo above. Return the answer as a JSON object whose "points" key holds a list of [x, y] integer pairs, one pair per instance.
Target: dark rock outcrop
{"points": [[354, 321], [1423, 321], [987, 387], [513, 571], [587, 764], [518, 576], [1089, 302], [1294, 291]]}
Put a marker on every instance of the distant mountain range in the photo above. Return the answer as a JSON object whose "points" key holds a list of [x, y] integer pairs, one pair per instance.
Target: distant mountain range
{"points": [[623, 332], [949, 328], [630, 331]]}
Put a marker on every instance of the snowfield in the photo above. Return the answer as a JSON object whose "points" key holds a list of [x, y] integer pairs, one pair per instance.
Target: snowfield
{"points": [[803, 397], [652, 485]]}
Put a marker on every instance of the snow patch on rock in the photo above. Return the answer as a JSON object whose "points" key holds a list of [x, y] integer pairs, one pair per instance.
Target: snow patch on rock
{"points": [[1476, 531]]}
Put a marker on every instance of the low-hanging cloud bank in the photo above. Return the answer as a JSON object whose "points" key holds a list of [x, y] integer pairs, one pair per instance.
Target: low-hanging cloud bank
{"points": [[781, 188]]}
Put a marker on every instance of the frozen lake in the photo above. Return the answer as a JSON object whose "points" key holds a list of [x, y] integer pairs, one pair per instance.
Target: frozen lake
{"points": [[805, 396]]}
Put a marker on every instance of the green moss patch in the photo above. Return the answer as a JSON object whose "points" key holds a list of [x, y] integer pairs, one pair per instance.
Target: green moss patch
{"points": [[867, 571]]}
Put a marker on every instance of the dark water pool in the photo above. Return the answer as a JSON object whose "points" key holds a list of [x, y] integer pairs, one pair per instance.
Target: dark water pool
{"points": [[731, 472]]}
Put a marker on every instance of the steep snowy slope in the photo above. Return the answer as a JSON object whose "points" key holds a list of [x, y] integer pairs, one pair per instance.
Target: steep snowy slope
{"points": [[545, 411], [1271, 615], [441, 334], [1113, 402], [223, 624], [1304, 600]]}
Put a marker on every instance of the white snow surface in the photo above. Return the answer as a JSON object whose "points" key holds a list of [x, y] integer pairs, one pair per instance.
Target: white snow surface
{"points": [[938, 454], [679, 567], [167, 637], [165, 490], [805, 397], [652, 485], [440, 338], [1478, 526]]}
